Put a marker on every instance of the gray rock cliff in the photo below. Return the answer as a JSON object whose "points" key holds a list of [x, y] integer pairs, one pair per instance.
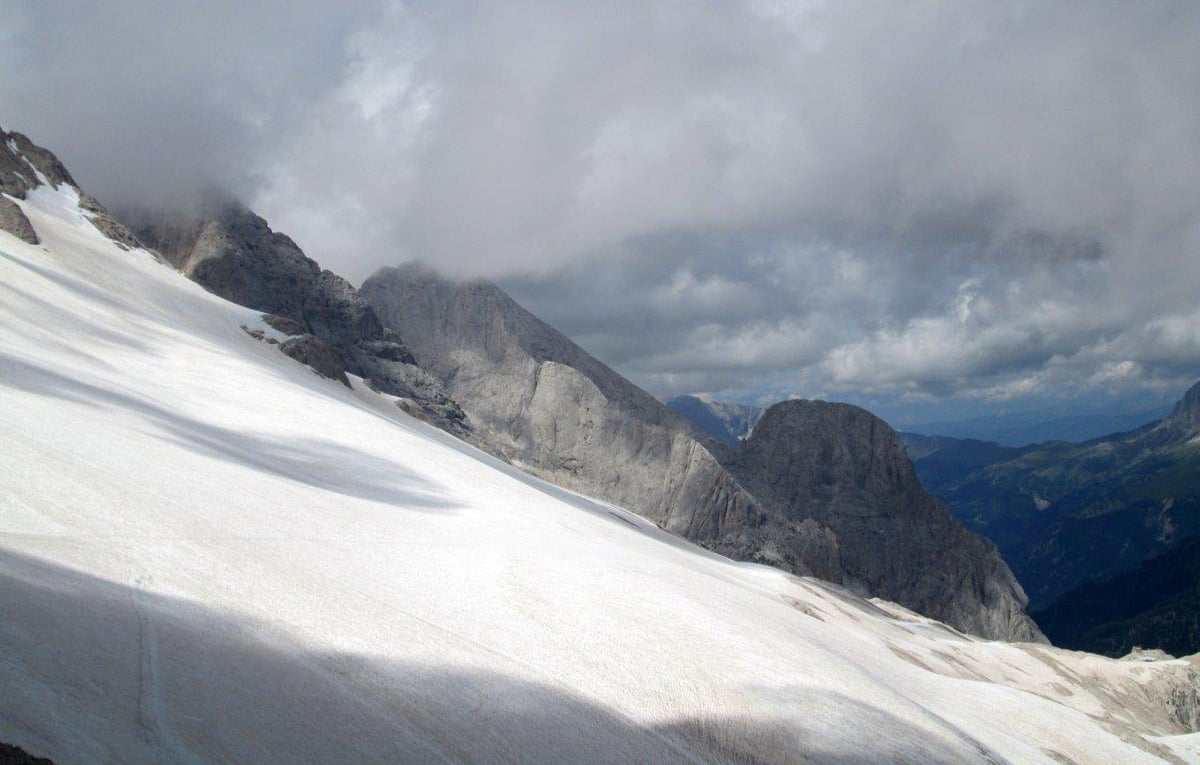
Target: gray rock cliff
{"points": [[548, 407], [846, 469]]}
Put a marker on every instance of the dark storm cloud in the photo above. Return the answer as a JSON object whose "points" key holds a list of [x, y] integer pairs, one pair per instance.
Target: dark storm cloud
{"points": [[904, 200]]}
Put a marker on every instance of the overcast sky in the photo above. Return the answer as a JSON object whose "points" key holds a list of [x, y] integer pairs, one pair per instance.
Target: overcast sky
{"points": [[926, 207]]}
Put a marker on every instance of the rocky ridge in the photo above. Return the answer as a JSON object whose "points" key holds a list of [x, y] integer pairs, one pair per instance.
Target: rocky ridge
{"points": [[235, 254], [820, 508], [23, 167]]}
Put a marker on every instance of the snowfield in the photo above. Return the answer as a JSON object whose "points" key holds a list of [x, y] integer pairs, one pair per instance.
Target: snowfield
{"points": [[210, 554]]}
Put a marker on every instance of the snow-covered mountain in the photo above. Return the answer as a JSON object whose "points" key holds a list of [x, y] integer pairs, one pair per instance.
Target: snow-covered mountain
{"points": [[208, 553]]}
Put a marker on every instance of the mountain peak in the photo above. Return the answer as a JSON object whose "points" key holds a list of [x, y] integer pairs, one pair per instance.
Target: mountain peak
{"points": [[845, 468], [24, 166]]}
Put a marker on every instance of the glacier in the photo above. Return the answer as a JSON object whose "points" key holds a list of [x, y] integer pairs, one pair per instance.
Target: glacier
{"points": [[208, 553]]}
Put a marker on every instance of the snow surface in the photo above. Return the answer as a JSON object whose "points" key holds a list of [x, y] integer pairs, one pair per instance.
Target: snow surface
{"points": [[210, 554]]}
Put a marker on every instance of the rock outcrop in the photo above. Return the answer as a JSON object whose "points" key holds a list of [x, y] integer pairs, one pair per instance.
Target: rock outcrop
{"points": [[822, 508], [235, 254], [846, 469], [315, 353], [23, 167], [14, 222]]}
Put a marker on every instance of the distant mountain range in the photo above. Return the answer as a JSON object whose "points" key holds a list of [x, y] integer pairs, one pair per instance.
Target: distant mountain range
{"points": [[1155, 605], [1063, 514], [728, 423], [1036, 427]]}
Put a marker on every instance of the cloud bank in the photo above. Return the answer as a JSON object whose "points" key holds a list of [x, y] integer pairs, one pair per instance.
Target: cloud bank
{"points": [[900, 201]]}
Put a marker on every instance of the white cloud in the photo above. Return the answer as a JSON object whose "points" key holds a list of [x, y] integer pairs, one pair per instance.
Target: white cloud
{"points": [[861, 198]]}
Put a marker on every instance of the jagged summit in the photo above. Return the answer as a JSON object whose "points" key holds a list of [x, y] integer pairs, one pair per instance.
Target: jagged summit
{"points": [[539, 400], [24, 166]]}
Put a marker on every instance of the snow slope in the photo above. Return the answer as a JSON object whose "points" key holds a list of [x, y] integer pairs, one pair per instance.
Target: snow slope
{"points": [[210, 554]]}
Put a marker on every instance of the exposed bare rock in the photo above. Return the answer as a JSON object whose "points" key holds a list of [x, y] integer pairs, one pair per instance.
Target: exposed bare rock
{"points": [[171, 233], [1182, 694], [14, 755], [846, 469], [23, 167], [312, 350], [550, 408], [235, 254], [20, 162], [728, 423], [283, 324], [106, 223], [17, 177], [14, 222]]}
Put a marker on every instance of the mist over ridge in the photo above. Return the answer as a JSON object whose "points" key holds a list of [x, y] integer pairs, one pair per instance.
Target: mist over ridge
{"points": [[924, 210]]}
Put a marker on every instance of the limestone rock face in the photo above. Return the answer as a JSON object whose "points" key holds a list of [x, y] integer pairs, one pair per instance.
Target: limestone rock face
{"points": [[544, 404], [846, 469], [235, 254]]}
